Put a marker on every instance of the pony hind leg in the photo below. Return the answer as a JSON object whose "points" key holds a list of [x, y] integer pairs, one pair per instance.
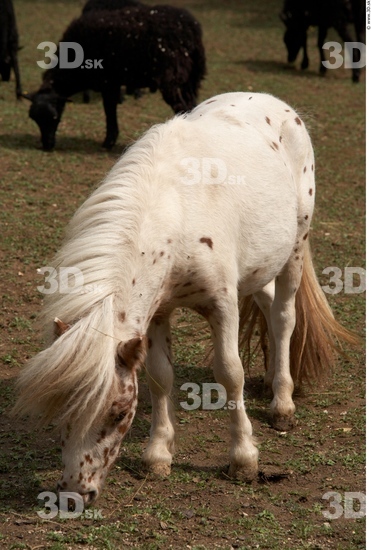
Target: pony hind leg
{"points": [[228, 372], [264, 299], [158, 454], [283, 320]]}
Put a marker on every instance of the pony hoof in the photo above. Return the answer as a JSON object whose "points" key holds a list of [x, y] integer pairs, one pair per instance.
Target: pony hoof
{"points": [[283, 423], [243, 473], [161, 469]]}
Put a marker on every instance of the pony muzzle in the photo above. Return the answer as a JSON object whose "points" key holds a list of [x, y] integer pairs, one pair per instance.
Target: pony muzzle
{"points": [[88, 495]]}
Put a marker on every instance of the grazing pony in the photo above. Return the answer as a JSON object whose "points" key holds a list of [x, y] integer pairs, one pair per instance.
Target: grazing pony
{"points": [[210, 210]]}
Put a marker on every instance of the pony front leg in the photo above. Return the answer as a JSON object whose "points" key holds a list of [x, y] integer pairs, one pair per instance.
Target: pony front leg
{"points": [[228, 371], [158, 455]]}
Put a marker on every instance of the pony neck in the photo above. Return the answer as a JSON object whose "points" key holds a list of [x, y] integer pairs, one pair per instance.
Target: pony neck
{"points": [[149, 288]]}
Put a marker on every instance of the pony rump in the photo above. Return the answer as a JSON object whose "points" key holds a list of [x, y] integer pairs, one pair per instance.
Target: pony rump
{"points": [[317, 337], [70, 381]]}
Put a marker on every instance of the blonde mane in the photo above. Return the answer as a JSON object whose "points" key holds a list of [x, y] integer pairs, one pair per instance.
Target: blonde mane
{"points": [[70, 380]]}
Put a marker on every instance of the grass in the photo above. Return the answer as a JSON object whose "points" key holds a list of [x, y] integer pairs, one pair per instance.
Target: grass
{"points": [[198, 506]]}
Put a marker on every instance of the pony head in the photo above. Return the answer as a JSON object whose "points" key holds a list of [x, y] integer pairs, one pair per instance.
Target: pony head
{"points": [[85, 383], [87, 458]]}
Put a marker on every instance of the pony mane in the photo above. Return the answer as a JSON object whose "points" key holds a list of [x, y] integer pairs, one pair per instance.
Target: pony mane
{"points": [[71, 380], [102, 235]]}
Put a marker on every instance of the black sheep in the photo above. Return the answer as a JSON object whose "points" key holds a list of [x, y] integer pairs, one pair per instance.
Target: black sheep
{"points": [[110, 5], [157, 47], [298, 15], [9, 44]]}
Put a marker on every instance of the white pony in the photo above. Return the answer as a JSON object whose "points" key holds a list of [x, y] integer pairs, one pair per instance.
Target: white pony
{"points": [[210, 210]]}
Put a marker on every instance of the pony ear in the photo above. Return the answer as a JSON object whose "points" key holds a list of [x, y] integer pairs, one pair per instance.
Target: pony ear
{"points": [[132, 353], [60, 327]]}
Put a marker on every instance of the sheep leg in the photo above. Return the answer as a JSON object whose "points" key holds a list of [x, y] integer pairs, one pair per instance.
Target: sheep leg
{"points": [[305, 62], [111, 98], [322, 32], [343, 31], [18, 88], [86, 96]]}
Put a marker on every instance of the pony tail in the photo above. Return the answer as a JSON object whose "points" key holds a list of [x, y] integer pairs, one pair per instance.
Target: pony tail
{"points": [[317, 337], [252, 323]]}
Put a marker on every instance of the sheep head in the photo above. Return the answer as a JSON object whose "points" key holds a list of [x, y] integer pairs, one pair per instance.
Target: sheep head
{"points": [[46, 110]]}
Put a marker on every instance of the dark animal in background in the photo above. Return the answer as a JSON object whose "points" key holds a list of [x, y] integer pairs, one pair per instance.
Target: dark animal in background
{"points": [[155, 47], [298, 15], [9, 45], [110, 5]]}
